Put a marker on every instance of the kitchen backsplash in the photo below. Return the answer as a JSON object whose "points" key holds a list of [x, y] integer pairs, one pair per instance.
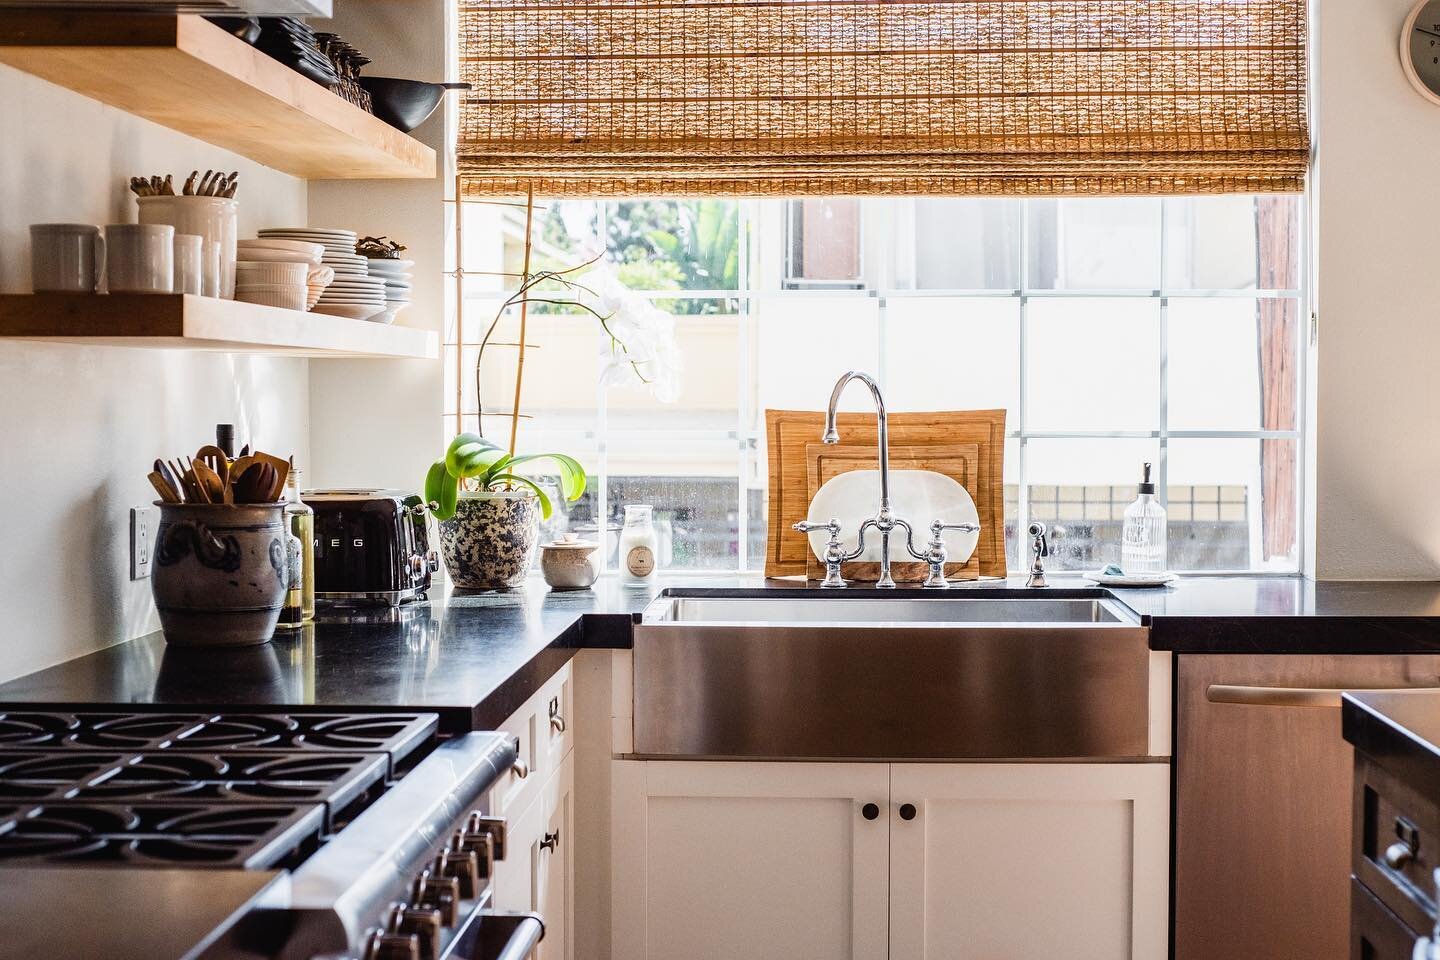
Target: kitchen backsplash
{"points": [[81, 422]]}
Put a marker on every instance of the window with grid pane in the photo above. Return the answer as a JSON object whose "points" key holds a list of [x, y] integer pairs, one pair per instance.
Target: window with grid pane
{"points": [[1114, 331]]}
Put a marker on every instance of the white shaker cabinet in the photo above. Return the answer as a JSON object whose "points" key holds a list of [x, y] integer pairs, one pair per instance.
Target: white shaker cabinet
{"points": [[537, 800], [767, 861], [1016, 861], [978, 861]]}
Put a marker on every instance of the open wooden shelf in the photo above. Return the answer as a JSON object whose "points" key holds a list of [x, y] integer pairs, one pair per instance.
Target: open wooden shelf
{"points": [[187, 74], [186, 322]]}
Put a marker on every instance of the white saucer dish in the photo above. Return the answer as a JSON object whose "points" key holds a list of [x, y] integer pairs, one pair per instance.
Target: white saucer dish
{"points": [[353, 311], [1133, 579], [918, 496]]}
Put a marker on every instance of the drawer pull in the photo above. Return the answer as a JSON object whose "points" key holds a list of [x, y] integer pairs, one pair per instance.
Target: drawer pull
{"points": [[557, 722], [520, 769], [1290, 696], [551, 841], [1398, 854]]}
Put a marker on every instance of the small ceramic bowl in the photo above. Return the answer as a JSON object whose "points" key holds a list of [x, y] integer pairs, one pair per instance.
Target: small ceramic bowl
{"points": [[566, 563]]}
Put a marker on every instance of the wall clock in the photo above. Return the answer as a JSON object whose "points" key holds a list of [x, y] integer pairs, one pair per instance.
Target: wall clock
{"points": [[1420, 49]]}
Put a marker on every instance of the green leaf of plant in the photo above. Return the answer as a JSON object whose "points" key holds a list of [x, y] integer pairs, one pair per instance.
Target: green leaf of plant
{"points": [[545, 506], [469, 455], [495, 468], [572, 474], [441, 489]]}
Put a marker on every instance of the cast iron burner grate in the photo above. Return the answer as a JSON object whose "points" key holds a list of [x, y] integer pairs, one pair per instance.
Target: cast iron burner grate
{"points": [[395, 734], [340, 781], [254, 836]]}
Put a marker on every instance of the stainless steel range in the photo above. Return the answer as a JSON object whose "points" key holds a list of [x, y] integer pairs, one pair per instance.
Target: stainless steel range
{"points": [[377, 828]]}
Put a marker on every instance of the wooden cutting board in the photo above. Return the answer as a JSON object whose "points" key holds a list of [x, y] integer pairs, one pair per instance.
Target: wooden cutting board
{"points": [[791, 433]]}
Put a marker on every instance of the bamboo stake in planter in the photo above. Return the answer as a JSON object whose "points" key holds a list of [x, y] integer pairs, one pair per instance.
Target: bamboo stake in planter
{"points": [[524, 311]]}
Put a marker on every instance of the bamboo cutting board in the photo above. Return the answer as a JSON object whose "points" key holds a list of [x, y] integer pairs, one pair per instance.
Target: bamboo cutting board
{"points": [[924, 437]]}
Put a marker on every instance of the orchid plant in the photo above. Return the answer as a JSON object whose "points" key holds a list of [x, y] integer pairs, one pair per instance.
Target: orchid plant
{"points": [[639, 341]]}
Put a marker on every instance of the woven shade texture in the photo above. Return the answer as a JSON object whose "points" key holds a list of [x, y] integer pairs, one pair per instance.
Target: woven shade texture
{"points": [[861, 97]]}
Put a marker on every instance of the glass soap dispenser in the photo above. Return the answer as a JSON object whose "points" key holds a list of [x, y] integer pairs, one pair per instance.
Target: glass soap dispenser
{"points": [[1142, 544]]}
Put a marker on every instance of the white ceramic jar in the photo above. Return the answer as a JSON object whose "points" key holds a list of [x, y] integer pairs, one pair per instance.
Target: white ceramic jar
{"points": [[65, 257], [139, 257], [639, 547], [215, 219]]}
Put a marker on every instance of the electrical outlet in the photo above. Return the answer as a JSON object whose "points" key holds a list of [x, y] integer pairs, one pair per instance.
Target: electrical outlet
{"points": [[143, 521]]}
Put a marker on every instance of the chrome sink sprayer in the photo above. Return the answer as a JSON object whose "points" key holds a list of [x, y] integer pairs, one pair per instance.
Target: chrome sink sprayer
{"points": [[884, 521]]}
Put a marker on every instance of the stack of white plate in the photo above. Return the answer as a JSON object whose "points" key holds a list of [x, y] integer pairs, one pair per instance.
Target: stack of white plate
{"points": [[353, 292], [396, 274]]}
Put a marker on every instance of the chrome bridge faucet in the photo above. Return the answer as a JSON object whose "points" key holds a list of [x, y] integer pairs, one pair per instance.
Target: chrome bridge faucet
{"points": [[884, 521]]}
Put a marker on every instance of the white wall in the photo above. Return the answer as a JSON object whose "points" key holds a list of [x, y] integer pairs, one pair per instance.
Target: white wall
{"points": [[1378, 446], [378, 423], [79, 426]]}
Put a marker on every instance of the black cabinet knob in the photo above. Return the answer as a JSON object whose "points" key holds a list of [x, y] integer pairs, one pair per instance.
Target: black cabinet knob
{"points": [[907, 811], [870, 811]]}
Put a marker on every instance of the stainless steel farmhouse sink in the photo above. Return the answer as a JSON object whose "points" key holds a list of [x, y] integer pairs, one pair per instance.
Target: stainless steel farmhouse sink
{"points": [[961, 674]]}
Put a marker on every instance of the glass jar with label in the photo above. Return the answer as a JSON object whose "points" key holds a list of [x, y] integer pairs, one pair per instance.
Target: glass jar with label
{"points": [[638, 545]]}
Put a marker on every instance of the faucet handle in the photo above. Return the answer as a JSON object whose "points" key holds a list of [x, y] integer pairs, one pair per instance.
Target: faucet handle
{"points": [[935, 554], [940, 526], [834, 549]]}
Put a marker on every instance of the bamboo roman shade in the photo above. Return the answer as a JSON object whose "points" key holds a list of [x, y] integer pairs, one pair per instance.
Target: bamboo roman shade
{"points": [[800, 97]]}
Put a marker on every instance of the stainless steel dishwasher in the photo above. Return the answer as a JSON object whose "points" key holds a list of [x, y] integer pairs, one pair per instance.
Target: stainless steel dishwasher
{"points": [[1262, 801]]}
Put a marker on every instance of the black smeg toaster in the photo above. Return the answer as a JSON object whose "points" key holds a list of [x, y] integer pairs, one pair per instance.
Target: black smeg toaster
{"points": [[371, 546]]}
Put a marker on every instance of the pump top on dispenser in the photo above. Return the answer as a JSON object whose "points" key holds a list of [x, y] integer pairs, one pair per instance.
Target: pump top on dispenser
{"points": [[1142, 543]]}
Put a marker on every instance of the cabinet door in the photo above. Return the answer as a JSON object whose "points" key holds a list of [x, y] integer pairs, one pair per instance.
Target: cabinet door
{"points": [[556, 865], [516, 877], [1016, 861], [766, 861]]}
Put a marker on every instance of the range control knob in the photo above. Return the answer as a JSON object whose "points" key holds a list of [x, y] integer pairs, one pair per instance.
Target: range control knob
{"points": [[441, 894], [492, 827], [391, 946], [461, 865], [479, 844], [423, 923]]}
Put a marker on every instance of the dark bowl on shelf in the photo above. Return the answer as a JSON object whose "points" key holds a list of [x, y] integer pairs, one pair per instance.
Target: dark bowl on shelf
{"points": [[246, 28], [405, 104]]}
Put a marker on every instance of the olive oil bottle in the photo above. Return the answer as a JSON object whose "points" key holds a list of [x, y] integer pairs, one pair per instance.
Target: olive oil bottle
{"points": [[300, 524]]}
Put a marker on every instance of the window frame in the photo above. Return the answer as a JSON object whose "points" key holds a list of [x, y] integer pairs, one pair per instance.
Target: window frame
{"points": [[886, 234]]}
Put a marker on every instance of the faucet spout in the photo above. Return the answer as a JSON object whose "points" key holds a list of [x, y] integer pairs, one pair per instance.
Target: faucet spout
{"points": [[832, 435], [884, 520]]}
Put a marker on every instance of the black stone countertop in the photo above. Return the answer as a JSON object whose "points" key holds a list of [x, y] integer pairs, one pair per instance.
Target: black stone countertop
{"points": [[475, 658], [1401, 730]]}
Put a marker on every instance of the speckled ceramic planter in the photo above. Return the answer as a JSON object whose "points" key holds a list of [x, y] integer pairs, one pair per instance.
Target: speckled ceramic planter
{"points": [[490, 542], [219, 573]]}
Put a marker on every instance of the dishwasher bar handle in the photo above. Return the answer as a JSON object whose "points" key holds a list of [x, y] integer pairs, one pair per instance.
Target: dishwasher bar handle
{"points": [[1292, 696]]}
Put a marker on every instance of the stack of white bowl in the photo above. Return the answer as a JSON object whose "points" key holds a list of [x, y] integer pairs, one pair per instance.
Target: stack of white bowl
{"points": [[396, 274], [353, 292], [281, 273]]}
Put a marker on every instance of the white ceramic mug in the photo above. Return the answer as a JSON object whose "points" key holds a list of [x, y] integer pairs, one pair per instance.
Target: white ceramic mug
{"points": [[189, 263], [66, 257], [213, 218], [139, 257]]}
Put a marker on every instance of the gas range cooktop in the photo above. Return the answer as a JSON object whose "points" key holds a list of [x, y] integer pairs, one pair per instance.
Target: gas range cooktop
{"points": [[237, 790]]}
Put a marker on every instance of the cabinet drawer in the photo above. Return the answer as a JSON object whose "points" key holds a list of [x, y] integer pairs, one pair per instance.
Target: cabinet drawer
{"points": [[1396, 845], [1375, 932], [545, 739], [557, 717]]}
